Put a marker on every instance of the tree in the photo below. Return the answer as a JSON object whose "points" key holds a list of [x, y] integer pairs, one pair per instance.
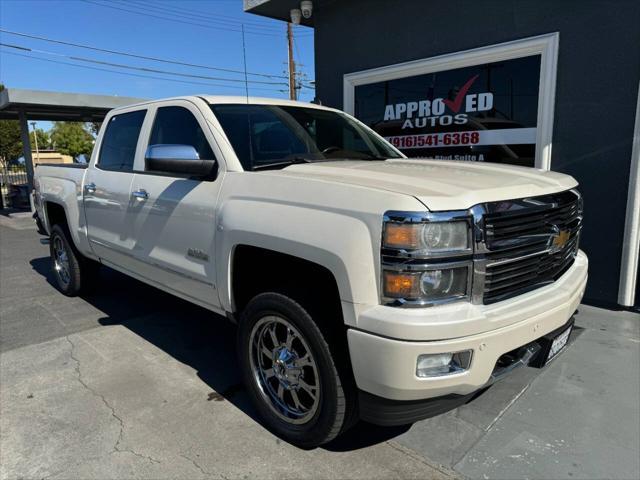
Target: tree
{"points": [[95, 128], [10, 143], [71, 138], [44, 141]]}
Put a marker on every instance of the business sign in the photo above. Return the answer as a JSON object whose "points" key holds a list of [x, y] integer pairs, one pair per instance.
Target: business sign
{"points": [[482, 113]]}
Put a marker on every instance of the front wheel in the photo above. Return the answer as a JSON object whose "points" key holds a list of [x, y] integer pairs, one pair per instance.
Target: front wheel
{"points": [[289, 371]]}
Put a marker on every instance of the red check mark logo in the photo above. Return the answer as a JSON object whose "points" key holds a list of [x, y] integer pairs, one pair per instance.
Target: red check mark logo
{"points": [[457, 102]]}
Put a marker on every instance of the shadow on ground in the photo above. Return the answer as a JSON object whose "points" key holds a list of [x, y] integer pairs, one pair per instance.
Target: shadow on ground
{"points": [[193, 336]]}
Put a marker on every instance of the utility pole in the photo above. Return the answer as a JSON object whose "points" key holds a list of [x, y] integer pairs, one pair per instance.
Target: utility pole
{"points": [[35, 139], [292, 64]]}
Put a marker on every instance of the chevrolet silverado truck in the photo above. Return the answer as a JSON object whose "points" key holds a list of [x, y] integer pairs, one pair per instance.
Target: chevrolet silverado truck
{"points": [[365, 285]]}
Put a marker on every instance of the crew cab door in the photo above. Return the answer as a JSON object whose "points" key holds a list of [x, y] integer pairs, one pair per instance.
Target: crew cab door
{"points": [[175, 215], [107, 185]]}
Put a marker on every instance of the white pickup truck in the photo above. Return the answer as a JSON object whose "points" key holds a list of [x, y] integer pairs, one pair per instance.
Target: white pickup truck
{"points": [[364, 284]]}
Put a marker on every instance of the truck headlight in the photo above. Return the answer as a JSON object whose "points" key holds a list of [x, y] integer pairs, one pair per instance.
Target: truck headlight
{"points": [[445, 283], [433, 285], [426, 257], [430, 237]]}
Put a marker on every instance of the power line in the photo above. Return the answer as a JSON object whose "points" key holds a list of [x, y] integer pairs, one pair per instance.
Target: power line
{"points": [[160, 10], [142, 69], [200, 15], [133, 55], [31, 57], [175, 19]]}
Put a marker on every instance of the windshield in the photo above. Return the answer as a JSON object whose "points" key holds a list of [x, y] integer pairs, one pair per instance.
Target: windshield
{"points": [[275, 136]]}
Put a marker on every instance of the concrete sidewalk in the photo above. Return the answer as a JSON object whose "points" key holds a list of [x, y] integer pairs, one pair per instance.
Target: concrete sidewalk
{"points": [[134, 383]]}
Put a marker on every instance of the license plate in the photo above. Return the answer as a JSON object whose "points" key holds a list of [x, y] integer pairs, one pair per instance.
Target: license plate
{"points": [[558, 344]]}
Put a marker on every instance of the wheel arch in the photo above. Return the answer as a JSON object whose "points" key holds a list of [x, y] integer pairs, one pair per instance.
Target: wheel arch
{"points": [[254, 269]]}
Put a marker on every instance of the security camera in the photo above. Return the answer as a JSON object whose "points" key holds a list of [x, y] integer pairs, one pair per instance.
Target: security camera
{"points": [[306, 6], [296, 16]]}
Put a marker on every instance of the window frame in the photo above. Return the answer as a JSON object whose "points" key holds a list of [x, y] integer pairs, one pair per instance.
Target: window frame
{"points": [[203, 120], [155, 120], [98, 148], [544, 45]]}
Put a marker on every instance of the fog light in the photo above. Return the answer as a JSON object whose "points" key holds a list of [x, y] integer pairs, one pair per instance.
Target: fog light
{"points": [[439, 364]]}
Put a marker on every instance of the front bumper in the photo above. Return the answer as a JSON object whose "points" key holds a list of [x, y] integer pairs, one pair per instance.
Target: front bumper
{"points": [[386, 367]]}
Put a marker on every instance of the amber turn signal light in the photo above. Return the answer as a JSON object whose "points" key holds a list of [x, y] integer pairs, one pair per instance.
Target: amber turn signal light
{"points": [[401, 285], [402, 235]]}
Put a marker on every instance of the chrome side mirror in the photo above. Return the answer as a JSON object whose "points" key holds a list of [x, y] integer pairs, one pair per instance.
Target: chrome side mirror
{"points": [[179, 159]]}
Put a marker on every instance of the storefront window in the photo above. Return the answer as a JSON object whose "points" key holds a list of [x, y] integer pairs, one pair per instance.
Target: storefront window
{"points": [[482, 113]]}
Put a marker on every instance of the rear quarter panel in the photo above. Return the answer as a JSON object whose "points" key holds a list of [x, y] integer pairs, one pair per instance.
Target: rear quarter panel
{"points": [[63, 186]]}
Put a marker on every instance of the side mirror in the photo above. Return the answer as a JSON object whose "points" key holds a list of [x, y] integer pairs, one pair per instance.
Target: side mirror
{"points": [[180, 159]]}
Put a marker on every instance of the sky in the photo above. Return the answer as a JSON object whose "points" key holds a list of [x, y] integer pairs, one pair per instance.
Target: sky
{"points": [[198, 32]]}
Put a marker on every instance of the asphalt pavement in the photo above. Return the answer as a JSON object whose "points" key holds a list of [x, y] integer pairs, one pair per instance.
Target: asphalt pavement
{"points": [[131, 382]]}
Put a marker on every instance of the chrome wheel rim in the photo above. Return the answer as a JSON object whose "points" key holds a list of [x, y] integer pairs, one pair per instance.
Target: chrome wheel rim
{"points": [[284, 369], [61, 262]]}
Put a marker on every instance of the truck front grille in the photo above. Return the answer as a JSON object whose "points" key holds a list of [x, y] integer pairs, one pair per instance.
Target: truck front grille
{"points": [[529, 243]]}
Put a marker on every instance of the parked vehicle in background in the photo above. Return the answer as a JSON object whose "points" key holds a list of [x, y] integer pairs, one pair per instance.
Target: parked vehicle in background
{"points": [[365, 285]]}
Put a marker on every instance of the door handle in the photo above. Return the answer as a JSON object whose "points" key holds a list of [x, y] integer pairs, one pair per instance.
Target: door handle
{"points": [[90, 187], [140, 194]]}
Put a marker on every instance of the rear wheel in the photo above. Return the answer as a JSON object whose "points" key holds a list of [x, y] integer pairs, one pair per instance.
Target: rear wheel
{"points": [[74, 273], [289, 371]]}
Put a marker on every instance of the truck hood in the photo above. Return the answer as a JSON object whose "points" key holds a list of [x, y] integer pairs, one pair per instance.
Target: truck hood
{"points": [[439, 184]]}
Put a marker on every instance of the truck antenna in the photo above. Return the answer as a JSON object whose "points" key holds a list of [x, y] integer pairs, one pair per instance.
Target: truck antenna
{"points": [[244, 59], [246, 89]]}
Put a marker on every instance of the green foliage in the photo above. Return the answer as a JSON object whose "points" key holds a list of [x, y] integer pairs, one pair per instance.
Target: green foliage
{"points": [[95, 128], [71, 138], [44, 141], [10, 143]]}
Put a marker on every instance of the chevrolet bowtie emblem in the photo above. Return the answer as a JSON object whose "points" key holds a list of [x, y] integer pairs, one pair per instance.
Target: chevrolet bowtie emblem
{"points": [[559, 240]]}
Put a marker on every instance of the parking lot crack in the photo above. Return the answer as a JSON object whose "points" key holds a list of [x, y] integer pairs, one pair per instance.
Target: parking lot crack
{"points": [[198, 466], [446, 472], [116, 448]]}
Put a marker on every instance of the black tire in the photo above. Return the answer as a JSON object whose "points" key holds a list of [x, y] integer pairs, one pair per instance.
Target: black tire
{"points": [[39, 226], [77, 275], [335, 404]]}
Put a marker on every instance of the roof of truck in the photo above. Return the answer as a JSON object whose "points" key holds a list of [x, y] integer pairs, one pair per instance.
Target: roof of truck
{"points": [[222, 99]]}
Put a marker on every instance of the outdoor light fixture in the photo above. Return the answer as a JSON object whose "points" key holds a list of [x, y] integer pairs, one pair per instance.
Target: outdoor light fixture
{"points": [[306, 6], [441, 364], [296, 16]]}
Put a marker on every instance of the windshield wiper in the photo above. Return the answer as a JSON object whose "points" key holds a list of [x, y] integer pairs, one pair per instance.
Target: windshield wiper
{"points": [[284, 163], [371, 156]]}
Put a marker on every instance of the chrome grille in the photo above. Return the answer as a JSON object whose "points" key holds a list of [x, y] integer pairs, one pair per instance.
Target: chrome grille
{"points": [[529, 243]]}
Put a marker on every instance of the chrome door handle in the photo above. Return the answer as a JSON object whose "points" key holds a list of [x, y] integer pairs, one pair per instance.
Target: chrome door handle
{"points": [[90, 187], [140, 194]]}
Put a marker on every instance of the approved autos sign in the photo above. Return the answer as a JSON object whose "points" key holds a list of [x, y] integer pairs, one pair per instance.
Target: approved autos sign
{"points": [[481, 113]]}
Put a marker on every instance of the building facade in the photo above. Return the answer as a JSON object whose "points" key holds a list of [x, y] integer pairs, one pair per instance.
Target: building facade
{"points": [[540, 83]]}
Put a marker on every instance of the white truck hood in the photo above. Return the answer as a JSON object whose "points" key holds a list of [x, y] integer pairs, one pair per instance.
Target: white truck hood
{"points": [[438, 184]]}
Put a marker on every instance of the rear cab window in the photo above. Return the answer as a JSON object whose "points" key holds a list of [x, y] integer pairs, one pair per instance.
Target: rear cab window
{"points": [[118, 149]]}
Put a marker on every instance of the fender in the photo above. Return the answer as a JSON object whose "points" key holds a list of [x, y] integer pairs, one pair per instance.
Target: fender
{"points": [[341, 243]]}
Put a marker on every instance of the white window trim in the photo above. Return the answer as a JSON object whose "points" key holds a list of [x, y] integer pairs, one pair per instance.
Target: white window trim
{"points": [[631, 242], [544, 45]]}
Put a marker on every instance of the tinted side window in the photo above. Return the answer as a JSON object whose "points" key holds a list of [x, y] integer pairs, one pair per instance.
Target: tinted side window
{"points": [[118, 148], [178, 126]]}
